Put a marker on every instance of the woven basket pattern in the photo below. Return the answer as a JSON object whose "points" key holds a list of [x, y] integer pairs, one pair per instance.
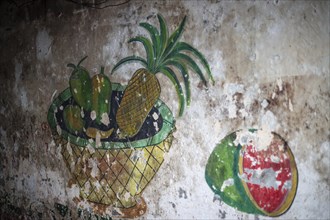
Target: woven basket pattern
{"points": [[116, 176]]}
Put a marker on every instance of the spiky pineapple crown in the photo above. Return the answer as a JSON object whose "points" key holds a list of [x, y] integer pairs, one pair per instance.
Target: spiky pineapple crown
{"points": [[166, 52]]}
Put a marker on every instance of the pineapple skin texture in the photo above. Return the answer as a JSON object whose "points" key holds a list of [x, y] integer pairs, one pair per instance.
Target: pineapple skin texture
{"points": [[139, 97]]}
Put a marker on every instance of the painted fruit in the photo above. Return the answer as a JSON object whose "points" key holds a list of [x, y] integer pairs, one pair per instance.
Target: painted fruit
{"points": [[253, 171], [101, 97], [81, 85], [72, 118]]}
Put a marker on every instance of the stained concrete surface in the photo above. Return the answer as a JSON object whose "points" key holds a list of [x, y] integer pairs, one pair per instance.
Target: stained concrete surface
{"points": [[270, 60]]}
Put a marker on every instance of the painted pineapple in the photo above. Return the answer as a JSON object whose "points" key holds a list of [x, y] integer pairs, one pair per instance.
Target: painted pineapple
{"points": [[163, 53]]}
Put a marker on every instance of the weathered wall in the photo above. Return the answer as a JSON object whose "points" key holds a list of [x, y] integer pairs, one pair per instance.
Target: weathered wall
{"points": [[270, 60]]}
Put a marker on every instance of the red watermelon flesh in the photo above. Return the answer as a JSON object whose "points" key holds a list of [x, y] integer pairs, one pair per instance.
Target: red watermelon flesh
{"points": [[267, 174]]}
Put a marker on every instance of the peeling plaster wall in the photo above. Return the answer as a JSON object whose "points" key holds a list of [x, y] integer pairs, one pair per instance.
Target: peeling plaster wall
{"points": [[270, 60]]}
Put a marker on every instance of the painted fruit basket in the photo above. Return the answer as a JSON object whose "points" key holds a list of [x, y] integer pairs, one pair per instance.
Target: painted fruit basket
{"points": [[113, 170], [254, 171]]}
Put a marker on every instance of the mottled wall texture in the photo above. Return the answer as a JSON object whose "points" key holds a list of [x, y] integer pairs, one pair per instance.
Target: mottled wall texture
{"points": [[270, 61]]}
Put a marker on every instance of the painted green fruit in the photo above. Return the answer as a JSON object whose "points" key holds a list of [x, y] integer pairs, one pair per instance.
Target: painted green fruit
{"points": [[101, 98], [253, 171], [72, 118], [81, 85]]}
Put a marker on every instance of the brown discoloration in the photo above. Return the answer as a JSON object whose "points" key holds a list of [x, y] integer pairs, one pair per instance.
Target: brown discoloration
{"points": [[280, 96], [239, 39], [138, 210]]}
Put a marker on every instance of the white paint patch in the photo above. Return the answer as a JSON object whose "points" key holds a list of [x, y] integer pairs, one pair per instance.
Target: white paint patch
{"points": [[254, 161], [269, 121], [264, 103], [93, 115], [98, 139], [156, 126], [275, 159], [262, 177], [232, 109], [93, 165], [43, 45], [264, 139], [68, 147], [127, 196], [59, 130], [90, 148], [82, 114], [279, 84], [260, 139], [290, 105], [226, 183], [155, 116], [105, 119], [231, 88]]}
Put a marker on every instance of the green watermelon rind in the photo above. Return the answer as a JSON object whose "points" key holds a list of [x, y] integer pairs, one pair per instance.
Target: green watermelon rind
{"points": [[223, 164]]}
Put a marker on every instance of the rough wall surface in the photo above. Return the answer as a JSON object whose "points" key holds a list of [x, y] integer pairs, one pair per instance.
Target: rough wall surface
{"points": [[270, 60]]}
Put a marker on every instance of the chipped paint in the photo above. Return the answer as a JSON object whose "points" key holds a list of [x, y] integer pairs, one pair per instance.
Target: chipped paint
{"points": [[275, 53]]}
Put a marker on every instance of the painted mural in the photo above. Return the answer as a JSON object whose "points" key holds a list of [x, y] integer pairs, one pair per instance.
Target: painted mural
{"points": [[253, 171], [113, 138]]}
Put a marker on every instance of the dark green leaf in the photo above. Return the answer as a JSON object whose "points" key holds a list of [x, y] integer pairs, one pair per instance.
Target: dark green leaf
{"points": [[171, 75], [182, 46], [128, 60], [183, 58], [154, 34], [149, 50], [163, 32], [173, 40], [183, 70]]}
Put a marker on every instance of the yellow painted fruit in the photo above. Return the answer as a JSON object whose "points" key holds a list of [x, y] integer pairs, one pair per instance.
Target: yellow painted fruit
{"points": [[72, 119]]}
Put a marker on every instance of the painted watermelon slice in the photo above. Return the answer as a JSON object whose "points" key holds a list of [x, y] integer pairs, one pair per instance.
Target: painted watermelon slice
{"points": [[253, 171]]}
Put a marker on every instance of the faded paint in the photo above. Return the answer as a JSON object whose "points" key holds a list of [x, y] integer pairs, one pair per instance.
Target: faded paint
{"points": [[275, 54]]}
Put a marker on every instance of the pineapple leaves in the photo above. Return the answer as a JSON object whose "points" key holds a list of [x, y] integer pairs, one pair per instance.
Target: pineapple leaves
{"points": [[184, 72], [166, 54], [155, 38], [173, 40], [149, 50], [182, 46], [183, 58], [130, 59], [171, 75], [163, 33]]}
